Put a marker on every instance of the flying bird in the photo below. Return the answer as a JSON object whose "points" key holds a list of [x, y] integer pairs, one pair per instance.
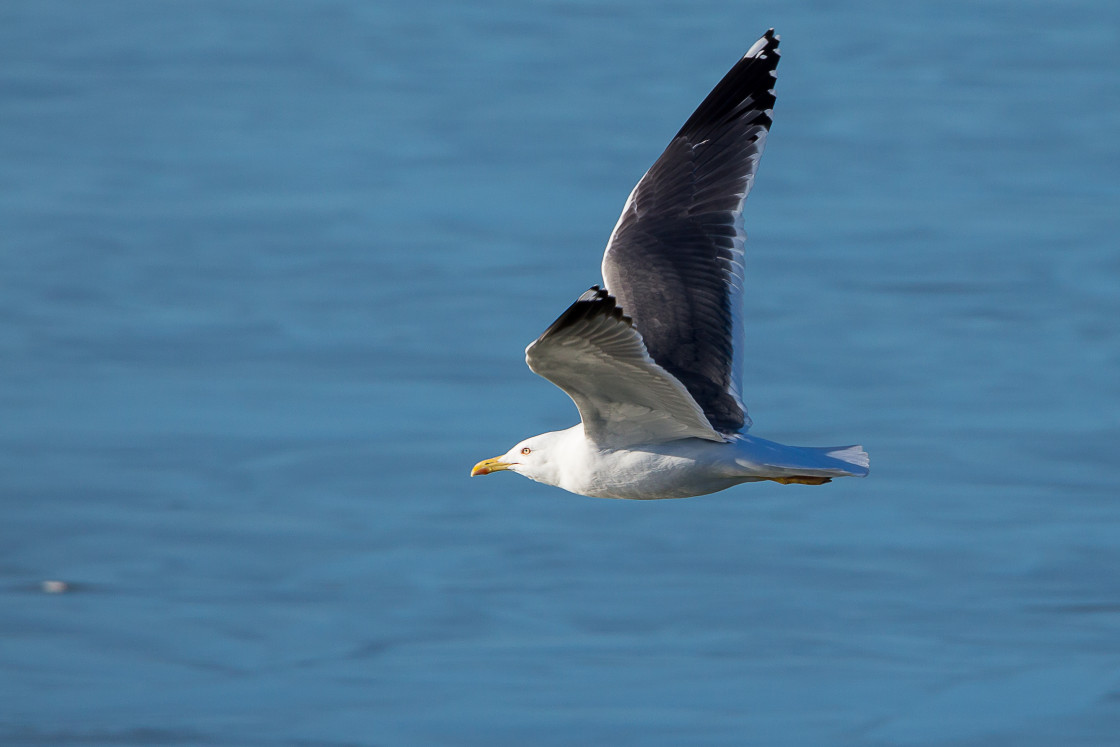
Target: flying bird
{"points": [[653, 360]]}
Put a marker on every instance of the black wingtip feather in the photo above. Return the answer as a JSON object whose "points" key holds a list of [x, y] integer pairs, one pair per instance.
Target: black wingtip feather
{"points": [[752, 77], [594, 302]]}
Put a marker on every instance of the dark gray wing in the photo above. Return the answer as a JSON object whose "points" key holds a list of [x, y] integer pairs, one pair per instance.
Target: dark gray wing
{"points": [[675, 258], [594, 354]]}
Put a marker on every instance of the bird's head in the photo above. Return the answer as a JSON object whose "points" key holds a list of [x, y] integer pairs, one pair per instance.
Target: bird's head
{"points": [[535, 457]]}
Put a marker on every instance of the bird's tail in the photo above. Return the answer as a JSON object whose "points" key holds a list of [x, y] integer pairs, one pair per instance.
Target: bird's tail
{"points": [[805, 465]]}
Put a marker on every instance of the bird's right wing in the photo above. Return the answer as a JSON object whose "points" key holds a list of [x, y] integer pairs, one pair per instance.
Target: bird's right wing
{"points": [[596, 355]]}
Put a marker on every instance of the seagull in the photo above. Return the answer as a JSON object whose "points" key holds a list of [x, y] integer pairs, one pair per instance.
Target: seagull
{"points": [[653, 360]]}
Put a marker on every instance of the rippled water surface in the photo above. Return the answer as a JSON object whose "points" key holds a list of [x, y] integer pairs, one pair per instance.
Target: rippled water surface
{"points": [[266, 274]]}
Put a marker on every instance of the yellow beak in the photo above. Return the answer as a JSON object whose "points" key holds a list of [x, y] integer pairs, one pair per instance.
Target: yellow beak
{"points": [[486, 466]]}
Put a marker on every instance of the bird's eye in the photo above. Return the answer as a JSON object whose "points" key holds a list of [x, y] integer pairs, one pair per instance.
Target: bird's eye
{"points": [[526, 450]]}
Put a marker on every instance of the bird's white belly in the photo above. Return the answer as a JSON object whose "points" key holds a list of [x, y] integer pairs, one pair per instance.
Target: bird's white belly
{"points": [[677, 470]]}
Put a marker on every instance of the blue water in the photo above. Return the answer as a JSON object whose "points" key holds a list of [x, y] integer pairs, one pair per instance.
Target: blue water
{"points": [[267, 270]]}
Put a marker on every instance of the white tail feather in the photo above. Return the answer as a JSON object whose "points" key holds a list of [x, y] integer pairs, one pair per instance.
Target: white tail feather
{"points": [[852, 455]]}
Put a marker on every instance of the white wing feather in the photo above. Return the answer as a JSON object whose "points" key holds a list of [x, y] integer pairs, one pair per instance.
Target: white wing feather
{"points": [[594, 353]]}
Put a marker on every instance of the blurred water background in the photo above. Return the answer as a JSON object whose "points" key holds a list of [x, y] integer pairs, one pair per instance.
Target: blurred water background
{"points": [[267, 270]]}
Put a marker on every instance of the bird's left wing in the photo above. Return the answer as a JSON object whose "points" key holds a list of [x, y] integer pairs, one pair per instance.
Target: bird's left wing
{"points": [[594, 353]]}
